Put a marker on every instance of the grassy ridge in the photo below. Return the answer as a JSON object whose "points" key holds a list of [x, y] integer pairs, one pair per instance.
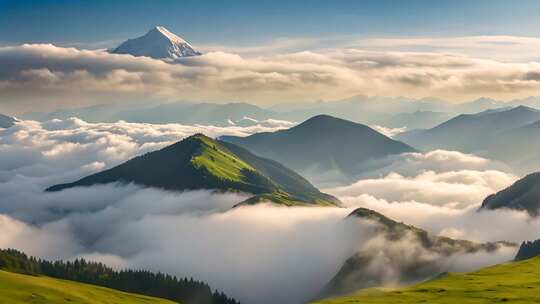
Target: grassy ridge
{"points": [[218, 162], [517, 282], [200, 162], [19, 288]]}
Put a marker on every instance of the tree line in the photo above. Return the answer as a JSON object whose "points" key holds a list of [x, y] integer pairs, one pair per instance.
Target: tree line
{"points": [[184, 290]]}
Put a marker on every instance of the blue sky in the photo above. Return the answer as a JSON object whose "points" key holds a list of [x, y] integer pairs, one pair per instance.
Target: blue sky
{"points": [[251, 22], [268, 52]]}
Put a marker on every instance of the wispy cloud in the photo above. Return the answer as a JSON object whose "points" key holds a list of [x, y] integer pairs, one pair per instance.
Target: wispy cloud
{"points": [[45, 76]]}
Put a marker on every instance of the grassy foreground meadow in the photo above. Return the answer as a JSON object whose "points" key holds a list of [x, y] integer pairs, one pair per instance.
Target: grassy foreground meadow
{"points": [[19, 288], [516, 282]]}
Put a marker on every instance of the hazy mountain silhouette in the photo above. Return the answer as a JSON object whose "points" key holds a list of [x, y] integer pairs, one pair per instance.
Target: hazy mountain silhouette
{"points": [[472, 132], [323, 143], [178, 112], [524, 195]]}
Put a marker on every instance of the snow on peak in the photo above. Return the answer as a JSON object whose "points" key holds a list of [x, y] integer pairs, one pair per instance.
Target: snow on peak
{"points": [[158, 43], [171, 36]]}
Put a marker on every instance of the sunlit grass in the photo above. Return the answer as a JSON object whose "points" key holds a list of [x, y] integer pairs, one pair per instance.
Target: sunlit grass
{"points": [[517, 282]]}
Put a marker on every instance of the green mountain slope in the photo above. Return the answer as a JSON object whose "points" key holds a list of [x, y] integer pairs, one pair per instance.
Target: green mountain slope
{"points": [[517, 282], [357, 271], [19, 288], [141, 282], [323, 143], [200, 162]]}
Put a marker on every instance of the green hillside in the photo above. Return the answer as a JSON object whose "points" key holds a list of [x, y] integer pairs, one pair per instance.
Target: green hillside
{"points": [[356, 272], [200, 162], [140, 282], [19, 288], [516, 282]]}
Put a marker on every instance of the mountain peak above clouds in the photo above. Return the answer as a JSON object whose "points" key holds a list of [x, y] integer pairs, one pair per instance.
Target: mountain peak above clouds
{"points": [[200, 162], [7, 121], [158, 43]]}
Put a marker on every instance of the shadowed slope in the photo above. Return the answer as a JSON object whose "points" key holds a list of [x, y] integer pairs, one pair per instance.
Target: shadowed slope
{"points": [[323, 142]]}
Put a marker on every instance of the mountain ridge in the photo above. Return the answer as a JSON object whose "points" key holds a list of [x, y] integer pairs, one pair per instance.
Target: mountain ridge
{"points": [[522, 195], [199, 162], [323, 143], [353, 274]]}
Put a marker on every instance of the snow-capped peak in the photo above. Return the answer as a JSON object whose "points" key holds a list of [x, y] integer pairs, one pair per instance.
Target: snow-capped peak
{"points": [[158, 43], [171, 36]]}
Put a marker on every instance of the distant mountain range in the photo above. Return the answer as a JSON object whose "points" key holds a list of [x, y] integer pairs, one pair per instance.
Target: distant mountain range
{"points": [[180, 112], [511, 135], [199, 162], [7, 121], [355, 273], [324, 144], [472, 132], [158, 43], [382, 111], [522, 195]]}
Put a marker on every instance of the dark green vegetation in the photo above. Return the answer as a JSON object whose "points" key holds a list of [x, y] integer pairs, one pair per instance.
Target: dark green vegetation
{"points": [[23, 289], [522, 195], [516, 282], [6, 121], [528, 250], [356, 273], [199, 162], [134, 281], [323, 143]]}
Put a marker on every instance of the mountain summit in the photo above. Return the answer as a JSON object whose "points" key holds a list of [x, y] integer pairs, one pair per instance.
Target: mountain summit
{"points": [[200, 162], [322, 144], [158, 43]]}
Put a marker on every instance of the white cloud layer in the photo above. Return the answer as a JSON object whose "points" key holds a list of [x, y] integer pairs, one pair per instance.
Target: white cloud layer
{"points": [[259, 254], [441, 191], [43, 76], [497, 47]]}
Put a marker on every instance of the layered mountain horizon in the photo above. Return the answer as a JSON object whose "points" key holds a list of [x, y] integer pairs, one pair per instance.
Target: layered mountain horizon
{"points": [[324, 144], [523, 195], [269, 152]]}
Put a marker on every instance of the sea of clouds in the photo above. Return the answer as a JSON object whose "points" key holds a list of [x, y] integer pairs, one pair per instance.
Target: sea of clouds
{"points": [[44, 76], [258, 254]]}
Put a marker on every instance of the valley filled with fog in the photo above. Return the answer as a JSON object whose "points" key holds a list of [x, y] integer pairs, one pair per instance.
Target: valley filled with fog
{"points": [[253, 253], [241, 152]]}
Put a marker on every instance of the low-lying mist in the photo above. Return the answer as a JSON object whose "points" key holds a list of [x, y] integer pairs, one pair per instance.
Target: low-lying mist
{"points": [[257, 254]]}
